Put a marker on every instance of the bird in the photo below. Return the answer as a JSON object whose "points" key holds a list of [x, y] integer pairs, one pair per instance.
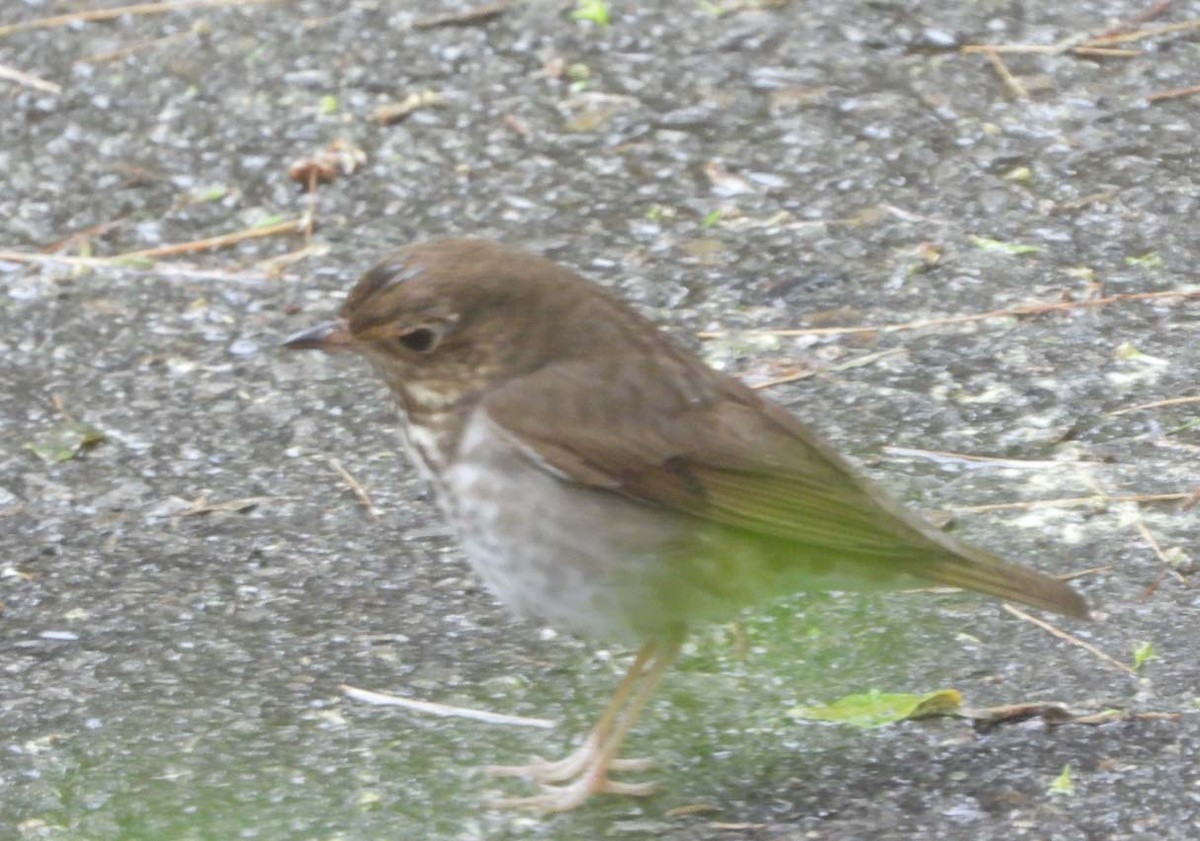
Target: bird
{"points": [[602, 479]]}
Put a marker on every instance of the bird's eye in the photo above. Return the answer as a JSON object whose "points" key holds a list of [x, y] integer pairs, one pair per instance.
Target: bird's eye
{"points": [[420, 339]]}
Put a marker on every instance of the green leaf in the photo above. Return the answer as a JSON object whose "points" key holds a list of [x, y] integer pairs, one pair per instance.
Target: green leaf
{"points": [[594, 10], [209, 194], [877, 709], [1142, 653], [1062, 784], [64, 442], [988, 244], [1149, 260], [711, 219], [132, 262], [1126, 350]]}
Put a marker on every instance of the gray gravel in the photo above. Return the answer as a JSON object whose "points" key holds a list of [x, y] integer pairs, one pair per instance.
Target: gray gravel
{"points": [[174, 671]]}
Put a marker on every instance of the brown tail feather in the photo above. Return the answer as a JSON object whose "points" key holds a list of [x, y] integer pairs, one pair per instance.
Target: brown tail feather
{"points": [[974, 569]]}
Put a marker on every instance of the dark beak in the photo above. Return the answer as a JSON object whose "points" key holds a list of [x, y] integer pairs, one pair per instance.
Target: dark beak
{"points": [[330, 336]]}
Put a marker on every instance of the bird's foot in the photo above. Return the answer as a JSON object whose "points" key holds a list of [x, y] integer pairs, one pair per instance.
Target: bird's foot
{"points": [[583, 773], [574, 794], [568, 768]]}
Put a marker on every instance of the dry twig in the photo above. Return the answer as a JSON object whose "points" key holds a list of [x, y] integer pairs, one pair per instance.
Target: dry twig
{"points": [[1010, 81], [275, 266], [1071, 638], [60, 406], [291, 226], [381, 699], [1155, 404], [1191, 500], [1035, 308], [1087, 45], [471, 17], [1022, 464], [1048, 49], [357, 487], [1154, 544], [391, 113], [1053, 714], [1173, 93], [82, 236], [112, 264], [1166, 569], [203, 506], [1067, 502], [1081, 573], [96, 15], [28, 79], [1140, 34], [1157, 10], [691, 809], [857, 362]]}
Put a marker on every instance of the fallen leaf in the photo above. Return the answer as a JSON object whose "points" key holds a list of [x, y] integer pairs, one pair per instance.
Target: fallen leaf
{"points": [[877, 709], [64, 442]]}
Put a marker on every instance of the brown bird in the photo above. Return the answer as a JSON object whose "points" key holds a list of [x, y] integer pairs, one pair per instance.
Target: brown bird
{"points": [[604, 480]]}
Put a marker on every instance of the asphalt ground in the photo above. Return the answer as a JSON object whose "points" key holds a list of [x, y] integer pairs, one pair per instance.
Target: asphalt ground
{"points": [[188, 580]]}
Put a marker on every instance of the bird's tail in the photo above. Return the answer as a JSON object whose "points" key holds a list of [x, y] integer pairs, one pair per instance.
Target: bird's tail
{"points": [[974, 569]]}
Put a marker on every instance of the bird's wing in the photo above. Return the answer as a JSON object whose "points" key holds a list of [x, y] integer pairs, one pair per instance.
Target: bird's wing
{"points": [[704, 444], [727, 456]]}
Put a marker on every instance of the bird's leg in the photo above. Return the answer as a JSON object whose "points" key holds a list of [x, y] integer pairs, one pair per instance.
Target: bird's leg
{"points": [[547, 771], [585, 772]]}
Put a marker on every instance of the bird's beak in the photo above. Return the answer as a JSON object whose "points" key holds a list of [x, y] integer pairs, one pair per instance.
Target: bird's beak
{"points": [[330, 336]]}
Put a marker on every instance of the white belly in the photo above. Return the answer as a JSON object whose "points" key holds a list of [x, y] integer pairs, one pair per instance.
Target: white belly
{"points": [[586, 561]]}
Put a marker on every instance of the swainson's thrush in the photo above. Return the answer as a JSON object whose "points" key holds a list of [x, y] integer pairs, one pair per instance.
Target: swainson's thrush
{"points": [[604, 480]]}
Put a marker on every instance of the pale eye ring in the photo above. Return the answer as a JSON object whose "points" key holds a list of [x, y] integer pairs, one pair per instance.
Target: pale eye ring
{"points": [[420, 339]]}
